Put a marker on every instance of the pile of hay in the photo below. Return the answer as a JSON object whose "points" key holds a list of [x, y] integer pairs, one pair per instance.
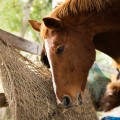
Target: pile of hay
{"points": [[29, 90]]}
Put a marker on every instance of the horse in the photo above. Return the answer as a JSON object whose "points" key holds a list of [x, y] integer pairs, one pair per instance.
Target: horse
{"points": [[71, 32], [115, 77], [111, 97]]}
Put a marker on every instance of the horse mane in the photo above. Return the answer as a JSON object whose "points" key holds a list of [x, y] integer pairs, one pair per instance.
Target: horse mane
{"points": [[75, 7]]}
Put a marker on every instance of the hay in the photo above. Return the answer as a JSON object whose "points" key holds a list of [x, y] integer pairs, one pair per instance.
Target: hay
{"points": [[29, 91]]}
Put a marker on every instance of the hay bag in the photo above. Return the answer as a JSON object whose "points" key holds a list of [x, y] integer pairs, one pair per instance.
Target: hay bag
{"points": [[29, 91]]}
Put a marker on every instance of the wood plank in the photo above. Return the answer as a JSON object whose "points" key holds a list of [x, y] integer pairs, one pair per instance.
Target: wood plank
{"points": [[20, 43]]}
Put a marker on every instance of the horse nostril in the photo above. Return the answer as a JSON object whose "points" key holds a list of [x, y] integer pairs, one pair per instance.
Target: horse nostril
{"points": [[80, 99], [66, 101]]}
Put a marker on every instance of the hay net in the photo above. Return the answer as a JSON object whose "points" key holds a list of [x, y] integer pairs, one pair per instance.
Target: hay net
{"points": [[29, 90], [96, 84]]}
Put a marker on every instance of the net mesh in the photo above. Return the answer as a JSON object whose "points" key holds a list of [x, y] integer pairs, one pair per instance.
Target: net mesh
{"points": [[29, 91], [97, 82]]}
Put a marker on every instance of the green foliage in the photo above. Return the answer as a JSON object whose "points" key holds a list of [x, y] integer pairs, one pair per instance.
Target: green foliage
{"points": [[40, 9], [11, 15]]}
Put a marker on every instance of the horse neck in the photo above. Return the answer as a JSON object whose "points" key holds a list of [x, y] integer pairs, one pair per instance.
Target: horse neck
{"points": [[105, 25], [98, 21]]}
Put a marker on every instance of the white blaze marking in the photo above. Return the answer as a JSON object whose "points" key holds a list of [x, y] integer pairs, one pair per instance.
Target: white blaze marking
{"points": [[51, 68]]}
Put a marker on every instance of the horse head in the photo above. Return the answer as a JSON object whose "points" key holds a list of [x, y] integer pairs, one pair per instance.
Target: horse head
{"points": [[70, 57]]}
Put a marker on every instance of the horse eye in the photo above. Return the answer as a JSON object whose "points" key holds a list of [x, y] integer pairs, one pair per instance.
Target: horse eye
{"points": [[59, 49]]}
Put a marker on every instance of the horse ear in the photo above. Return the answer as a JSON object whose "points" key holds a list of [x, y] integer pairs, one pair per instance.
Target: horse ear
{"points": [[52, 23], [35, 25], [44, 58]]}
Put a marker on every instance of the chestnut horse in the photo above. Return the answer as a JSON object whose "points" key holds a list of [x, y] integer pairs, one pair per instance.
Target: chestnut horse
{"points": [[71, 33], [111, 97], [116, 65]]}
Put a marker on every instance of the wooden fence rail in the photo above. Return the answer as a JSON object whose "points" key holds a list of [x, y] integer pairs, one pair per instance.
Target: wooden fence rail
{"points": [[20, 43]]}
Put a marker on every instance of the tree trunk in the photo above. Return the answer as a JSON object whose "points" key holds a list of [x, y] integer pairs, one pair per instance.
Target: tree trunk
{"points": [[26, 14]]}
